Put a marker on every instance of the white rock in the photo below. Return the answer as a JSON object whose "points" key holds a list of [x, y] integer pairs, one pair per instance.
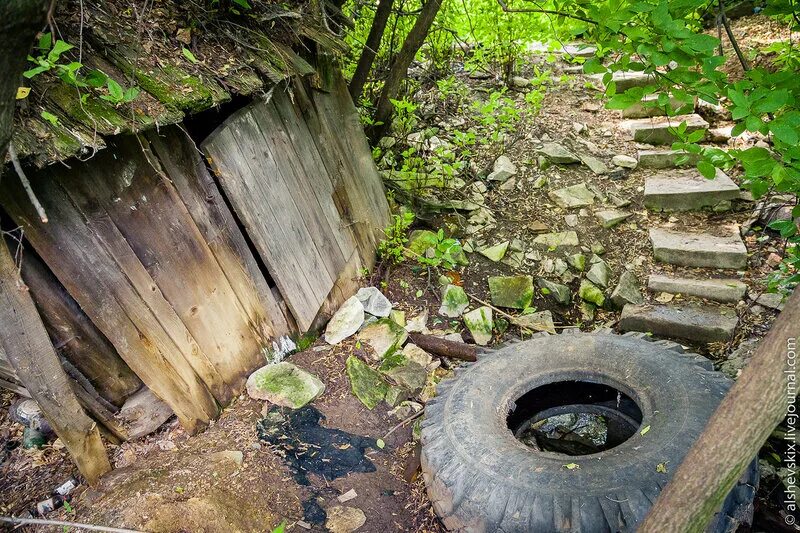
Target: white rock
{"points": [[503, 169], [374, 302], [624, 161], [345, 321]]}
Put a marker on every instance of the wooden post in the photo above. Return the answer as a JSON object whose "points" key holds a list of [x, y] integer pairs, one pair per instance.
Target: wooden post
{"points": [[733, 436], [27, 347]]}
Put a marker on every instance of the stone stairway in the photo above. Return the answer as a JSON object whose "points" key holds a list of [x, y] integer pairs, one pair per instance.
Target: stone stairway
{"points": [[706, 311]]}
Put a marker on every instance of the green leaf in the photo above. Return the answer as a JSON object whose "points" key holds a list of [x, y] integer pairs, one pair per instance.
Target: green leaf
{"points": [[380, 444], [45, 42], [59, 48], [787, 228], [242, 4], [114, 90], [34, 71], [572, 466], [707, 169], [130, 94], [49, 117], [189, 55], [644, 431], [95, 78]]}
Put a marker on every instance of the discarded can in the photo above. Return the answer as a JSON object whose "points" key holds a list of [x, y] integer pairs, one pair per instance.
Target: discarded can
{"points": [[67, 487]]}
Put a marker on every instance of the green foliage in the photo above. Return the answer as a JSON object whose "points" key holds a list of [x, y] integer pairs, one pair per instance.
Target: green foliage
{"points": [[445, 253], [49, 59], [392, 248]]}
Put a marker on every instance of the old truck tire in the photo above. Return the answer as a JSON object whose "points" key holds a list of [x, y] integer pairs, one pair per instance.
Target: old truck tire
{"points": [[480, 477]]}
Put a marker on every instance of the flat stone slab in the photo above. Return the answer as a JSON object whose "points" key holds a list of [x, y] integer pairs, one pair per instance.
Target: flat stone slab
{"points": [[660, 130], [648, 107], [693, 323], [687, 190], [611, 217], [573, 196], [665, 158], [515, 292], [565, 240], [718, 290], [699, 249]]}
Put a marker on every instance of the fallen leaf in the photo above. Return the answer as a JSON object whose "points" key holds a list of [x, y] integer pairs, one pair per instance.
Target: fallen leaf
{"points": [[23, 92], [572, 466], [644, 430]]}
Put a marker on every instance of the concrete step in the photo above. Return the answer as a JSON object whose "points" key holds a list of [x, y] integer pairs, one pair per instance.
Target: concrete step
{"points": [[689, 322], [699, 249], [647, 108], [665, 158], [687, 190], [660, 130], [718, 290]]}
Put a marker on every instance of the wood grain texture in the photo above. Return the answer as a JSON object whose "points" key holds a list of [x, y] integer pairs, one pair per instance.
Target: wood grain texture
{"points": [[27, 347], [75, 337], [243, 160], [97, 266], [299, 173], [198, 191]]}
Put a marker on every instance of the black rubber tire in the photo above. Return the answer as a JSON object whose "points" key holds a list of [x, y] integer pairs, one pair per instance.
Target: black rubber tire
{"points": [[481, 478]]}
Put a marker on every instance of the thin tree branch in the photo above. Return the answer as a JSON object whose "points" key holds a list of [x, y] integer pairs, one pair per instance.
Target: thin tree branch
{"points": [[25, 183], [731, 38], [40, 521]]}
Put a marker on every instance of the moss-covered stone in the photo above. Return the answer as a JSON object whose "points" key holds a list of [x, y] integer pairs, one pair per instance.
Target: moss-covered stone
{"points": [[577, 261], [366, 383], [557, 291], [454, 301], [384, 336], [480, 323], [589, 292], [406, 373], [495, 253], [515, 292], [284, 384]]}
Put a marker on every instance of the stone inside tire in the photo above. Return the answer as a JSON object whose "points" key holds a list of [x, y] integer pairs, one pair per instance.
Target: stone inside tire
{"points": [[480, 477]]}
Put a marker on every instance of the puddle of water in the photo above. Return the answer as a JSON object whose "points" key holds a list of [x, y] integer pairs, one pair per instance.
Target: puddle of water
{"points": [[309, 448]]}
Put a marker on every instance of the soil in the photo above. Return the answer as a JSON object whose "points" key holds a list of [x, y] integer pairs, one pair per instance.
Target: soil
{"points": [[171, 481]]}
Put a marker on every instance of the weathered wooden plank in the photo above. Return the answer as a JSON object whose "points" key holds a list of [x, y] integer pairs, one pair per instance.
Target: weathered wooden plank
{"points": [[110, 288], [253, 182], [339, 169], [334, 124], [74, 335], [314, 208], [27, 347], [310, 166], [198, 191], [339, 111], [145, 208]]}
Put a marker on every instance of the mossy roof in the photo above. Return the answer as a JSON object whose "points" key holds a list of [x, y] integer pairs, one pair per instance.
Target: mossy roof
{"points": [[183, 56]]}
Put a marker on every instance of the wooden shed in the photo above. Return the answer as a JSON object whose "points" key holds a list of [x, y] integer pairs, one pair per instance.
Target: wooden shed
{"points": [[229, 207]]}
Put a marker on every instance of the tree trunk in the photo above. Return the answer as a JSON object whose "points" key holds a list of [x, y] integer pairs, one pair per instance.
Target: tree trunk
{"points": [[370, 48], [741, 424], [19, 22], [27, 347], [399, 69]]}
